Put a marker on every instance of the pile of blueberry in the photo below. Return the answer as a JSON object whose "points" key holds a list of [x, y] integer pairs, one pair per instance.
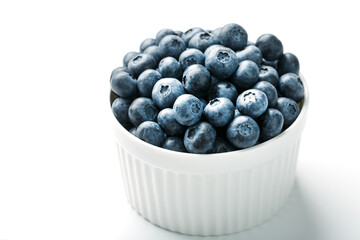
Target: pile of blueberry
{"points": [[205, 91]]}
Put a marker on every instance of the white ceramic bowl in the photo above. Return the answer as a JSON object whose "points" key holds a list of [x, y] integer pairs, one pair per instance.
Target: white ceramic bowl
{"points": [[210, 194]]}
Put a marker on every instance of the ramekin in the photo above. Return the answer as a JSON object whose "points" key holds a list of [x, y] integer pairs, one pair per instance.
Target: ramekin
{"points": [[210, 194]]}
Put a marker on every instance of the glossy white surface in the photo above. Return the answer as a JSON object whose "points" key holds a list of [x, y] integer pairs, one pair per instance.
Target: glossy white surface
{"points": [[59, 171]]}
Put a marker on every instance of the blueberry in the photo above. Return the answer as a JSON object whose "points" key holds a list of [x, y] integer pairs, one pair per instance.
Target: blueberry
{"points": [[250, 52], [128, 57], [162, 33], [142, 109], [270, 46], [222, 145], [217, 31], [190, 33], [120, 108], [196, 80], [156, 52], [169, 67], [166, 91], [140, 63], [146, 82], [288, 63], [224, 89], [209, 49], [271, 124], [133, 131], [188, 109], [249, 43], [203, 102], [200, 138], [178, 33], [269, 63], [246, 75], [172, 46], [221, 61], [291, 86], [123, 84], [233, 36], [243, 132], [214, 80], [219, 111], [269, 74], [252, 102], [167, 121], [119, 69], [147, 43], [203, 40], [269, 90], [150, 132], [191, 56], [289, 110], [236, 113], [175, 144]]}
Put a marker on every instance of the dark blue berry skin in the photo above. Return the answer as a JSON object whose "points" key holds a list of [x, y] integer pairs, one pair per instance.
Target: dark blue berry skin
{"points": [[250, 52], [191, 56], [142, 109], [224, 89], [167, 121], [269, 63], [120, 108], [162, 33], [172, 45], [175, 144], [209, 49], [196, 80], [270, 46], [289, 109], [246, 75], [269, 74], [166, 91], [133, 131], [288, 63], [146, 82], [249, 43], [147, 43], [156, 52], [140, 63], [269, 90], [252, 102], [236, 113], [222, 145], [214, 80], [119, 69], [169, 67], [128, 57], [151, 132], [217, 31], [188, 109], [243, 132], [124, 85], [291, 86], [203, 40], [233, 36], [190, 33], [178, 33], [219, 111], [271, 124], [200, 138], [221, 61]]}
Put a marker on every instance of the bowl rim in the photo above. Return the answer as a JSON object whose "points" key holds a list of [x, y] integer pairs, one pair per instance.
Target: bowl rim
{"points": [[304, 103]]}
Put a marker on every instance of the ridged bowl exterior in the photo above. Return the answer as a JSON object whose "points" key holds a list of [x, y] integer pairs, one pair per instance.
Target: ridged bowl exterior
{"points": [[210, 194]]}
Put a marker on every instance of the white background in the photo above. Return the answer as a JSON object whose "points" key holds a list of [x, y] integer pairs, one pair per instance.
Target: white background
{"points": [[59, 172]]}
